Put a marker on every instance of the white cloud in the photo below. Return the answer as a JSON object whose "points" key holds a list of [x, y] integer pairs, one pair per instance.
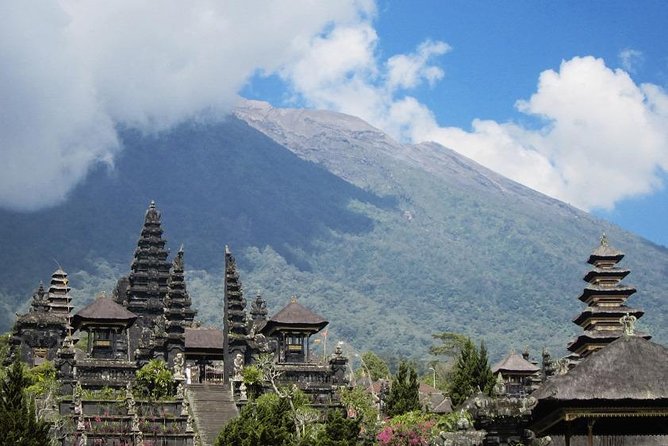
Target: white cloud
{"points": [[74, 70], [630, 59], [605, 138]]}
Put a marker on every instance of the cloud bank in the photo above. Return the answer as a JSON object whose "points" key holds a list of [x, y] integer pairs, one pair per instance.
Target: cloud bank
{"points": [[73, 71]]}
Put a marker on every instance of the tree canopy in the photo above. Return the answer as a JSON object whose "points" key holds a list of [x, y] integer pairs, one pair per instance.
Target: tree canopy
{"points": [[471, 373], [404, 395], [18, 422]]}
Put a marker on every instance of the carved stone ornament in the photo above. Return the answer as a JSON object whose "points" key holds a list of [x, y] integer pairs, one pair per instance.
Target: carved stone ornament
{"points": [[179, 365], [629, 322]]}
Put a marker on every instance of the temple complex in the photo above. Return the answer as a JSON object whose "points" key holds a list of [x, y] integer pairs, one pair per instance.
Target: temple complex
{"points": [[606, 314], [611, 386], [150, 316]]}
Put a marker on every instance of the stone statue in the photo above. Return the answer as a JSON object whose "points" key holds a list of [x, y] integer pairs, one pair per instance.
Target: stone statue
{"points": [[562, 366], [499, 386], [81, 424], [189, 424], [242, 390], [179, 363], [629, 322], [184, 407], [238, 367], [135, 423]]}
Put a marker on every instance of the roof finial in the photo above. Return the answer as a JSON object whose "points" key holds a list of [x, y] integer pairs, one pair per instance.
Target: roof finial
{"points": [[629, 322], [293, 299], [604, 239], [227, 250], [152, 205]]}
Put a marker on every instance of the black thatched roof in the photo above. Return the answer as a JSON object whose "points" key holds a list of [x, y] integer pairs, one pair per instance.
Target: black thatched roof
{"points": [[605, 251], [204, 339], [296, 315], [103, 309], [617, 312], [514, 363], [630, 368]]}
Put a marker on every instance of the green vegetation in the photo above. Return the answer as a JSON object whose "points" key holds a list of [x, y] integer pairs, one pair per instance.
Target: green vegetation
{"points": [[18, 422], [374, 366], [359, 402], [155, 380], [471, 373], [272, 420], [41, 379], [404, 392]]}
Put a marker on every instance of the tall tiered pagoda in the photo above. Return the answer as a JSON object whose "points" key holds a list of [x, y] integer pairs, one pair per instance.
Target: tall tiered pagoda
{"points": [[143, 292], [58, 296], [178, 312], [235, 321], [606, 314]]}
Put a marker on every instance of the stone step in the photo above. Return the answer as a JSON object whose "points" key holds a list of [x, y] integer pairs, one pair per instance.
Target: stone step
{"points": [[213, 407]]}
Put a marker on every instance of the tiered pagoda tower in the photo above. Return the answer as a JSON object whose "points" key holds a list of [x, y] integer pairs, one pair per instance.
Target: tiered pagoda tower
{"points": [[604, 318], [145, 289], [59, 294], [178, 312], [236, 325], [38, 334]]}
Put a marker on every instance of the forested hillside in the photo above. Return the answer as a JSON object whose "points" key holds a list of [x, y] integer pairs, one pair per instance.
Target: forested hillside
{"points": [[390, 242]]}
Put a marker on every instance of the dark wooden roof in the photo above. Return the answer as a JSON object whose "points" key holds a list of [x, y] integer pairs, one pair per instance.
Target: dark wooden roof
{"points": [[514, 363], [295, 315], [604, 251], [204, 339], [630, 368], [103, 309]]}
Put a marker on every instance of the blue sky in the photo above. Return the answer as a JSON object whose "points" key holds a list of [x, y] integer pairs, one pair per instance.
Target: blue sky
{"points": [[567, 97]]}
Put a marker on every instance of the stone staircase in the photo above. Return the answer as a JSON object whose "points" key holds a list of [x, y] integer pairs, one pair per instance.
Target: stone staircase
{"points": [[213, 407]]}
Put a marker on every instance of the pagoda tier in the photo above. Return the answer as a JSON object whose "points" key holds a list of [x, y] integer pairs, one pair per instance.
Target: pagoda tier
{"points": [[178, 312], [606, 299], [147, 282], [235, 304], [59, 293]]}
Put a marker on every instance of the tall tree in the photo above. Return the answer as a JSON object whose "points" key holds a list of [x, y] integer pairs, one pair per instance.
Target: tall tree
{"points": [[404, 393], [483, 372], [18, 422], [471, 373]]}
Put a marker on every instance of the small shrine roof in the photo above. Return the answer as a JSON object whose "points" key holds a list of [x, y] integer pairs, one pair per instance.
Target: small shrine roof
{"points": [[103, 308], [295, 313], [204, 338], [514, 363], [630, 368], [605, 251]]}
